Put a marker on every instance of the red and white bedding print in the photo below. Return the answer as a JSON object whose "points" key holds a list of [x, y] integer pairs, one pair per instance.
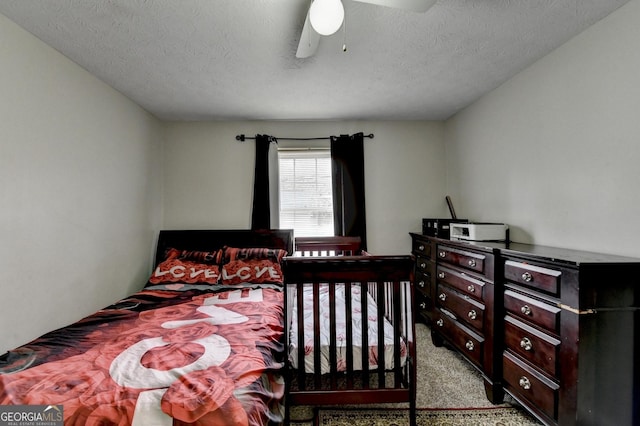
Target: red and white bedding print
{"points": [[168, 355]]}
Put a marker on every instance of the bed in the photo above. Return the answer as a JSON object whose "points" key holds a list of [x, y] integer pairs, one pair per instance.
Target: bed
{"points": [[201, 343], [350, 327], [207, 340]]}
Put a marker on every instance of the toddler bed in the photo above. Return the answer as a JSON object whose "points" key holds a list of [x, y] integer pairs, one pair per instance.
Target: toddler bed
{"points": [[201, 343], [350, 331]]}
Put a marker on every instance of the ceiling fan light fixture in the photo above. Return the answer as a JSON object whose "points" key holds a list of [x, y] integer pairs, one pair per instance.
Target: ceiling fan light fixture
{"points": [[326, 16]]}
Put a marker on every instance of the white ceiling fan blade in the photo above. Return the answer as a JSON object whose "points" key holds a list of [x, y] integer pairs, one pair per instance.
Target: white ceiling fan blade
{"points": [[309, 40], [415, 5]]}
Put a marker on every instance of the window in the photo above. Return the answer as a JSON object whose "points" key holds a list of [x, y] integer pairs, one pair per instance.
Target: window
{"points": [[306, 200]]}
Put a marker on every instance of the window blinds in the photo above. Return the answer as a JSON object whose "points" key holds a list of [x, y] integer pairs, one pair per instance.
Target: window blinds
{"points": [[306, 202]]}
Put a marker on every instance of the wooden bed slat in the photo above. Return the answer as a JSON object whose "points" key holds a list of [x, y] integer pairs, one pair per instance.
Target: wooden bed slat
{"points": [[396, 338], [349, 336], [381, 314], [301, 343], [364, 356]]}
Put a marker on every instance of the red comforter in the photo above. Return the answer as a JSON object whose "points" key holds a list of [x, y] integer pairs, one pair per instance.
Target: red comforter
{"points": [[168, 355]]}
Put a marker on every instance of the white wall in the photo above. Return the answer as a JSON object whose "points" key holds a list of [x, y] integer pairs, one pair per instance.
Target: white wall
{"points": [[209, 175], [80, 192], [555, 152]]}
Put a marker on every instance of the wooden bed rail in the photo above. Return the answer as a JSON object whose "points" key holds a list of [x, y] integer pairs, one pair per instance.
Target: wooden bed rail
{"points": [[352, 378], [364, 268], [328, 246]]}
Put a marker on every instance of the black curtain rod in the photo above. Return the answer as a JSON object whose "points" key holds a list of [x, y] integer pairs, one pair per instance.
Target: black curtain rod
{"points": [[243, 138]]}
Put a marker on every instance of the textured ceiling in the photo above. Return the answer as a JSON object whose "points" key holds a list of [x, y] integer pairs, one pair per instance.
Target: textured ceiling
{"points": [[235, 59]]}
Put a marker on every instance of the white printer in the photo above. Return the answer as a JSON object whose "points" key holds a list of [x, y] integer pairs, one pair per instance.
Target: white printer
{"points": [[479, 231]]}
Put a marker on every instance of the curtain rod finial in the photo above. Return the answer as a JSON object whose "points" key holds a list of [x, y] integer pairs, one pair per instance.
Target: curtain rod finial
{"points": [[240, 138]]}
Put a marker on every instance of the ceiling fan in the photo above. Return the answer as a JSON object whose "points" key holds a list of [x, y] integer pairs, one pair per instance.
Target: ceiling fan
{"points": [[325, 17]]}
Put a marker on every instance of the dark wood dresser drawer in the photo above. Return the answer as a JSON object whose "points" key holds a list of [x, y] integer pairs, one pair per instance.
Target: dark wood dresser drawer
{"points": [[421, 247], [532, 276], [464, 259], [424, 304], [527, 383], [422, 282], [467, 341], [424, 265], [462, 306], [538, 348], [464, 283], [532, 310]]}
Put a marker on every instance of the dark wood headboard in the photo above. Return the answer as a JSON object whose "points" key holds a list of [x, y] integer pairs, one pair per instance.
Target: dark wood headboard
{"points": [[208, 240]]}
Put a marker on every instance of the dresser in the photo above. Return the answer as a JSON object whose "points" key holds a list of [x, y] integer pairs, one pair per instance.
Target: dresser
{"points": [[455, 296], [571, 327], [561, 327]]}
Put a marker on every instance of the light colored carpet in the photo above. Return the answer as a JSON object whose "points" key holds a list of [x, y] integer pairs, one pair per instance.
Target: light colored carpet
{"points": [[445, 380], [500, 416]]}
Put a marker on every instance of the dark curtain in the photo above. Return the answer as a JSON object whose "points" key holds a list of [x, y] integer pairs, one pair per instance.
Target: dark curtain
{"points": [[347, 158], [261, 213]]}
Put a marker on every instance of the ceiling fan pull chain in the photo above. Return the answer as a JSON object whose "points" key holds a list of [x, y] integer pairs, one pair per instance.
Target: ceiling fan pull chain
{"points": [[344, 28], [309, 29]]}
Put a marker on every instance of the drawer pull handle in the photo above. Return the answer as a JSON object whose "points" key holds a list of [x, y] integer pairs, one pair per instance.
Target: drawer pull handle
{"points": [[527, 277], [441, 275], [526, 344], [526, 310], [472, 314], [440, 322], [525, 383], [421, 247], [423, 265], [442, 297], [471, 289], [421, 283], [423, 305], [469, 345], [442, 254], [472, 263]]}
